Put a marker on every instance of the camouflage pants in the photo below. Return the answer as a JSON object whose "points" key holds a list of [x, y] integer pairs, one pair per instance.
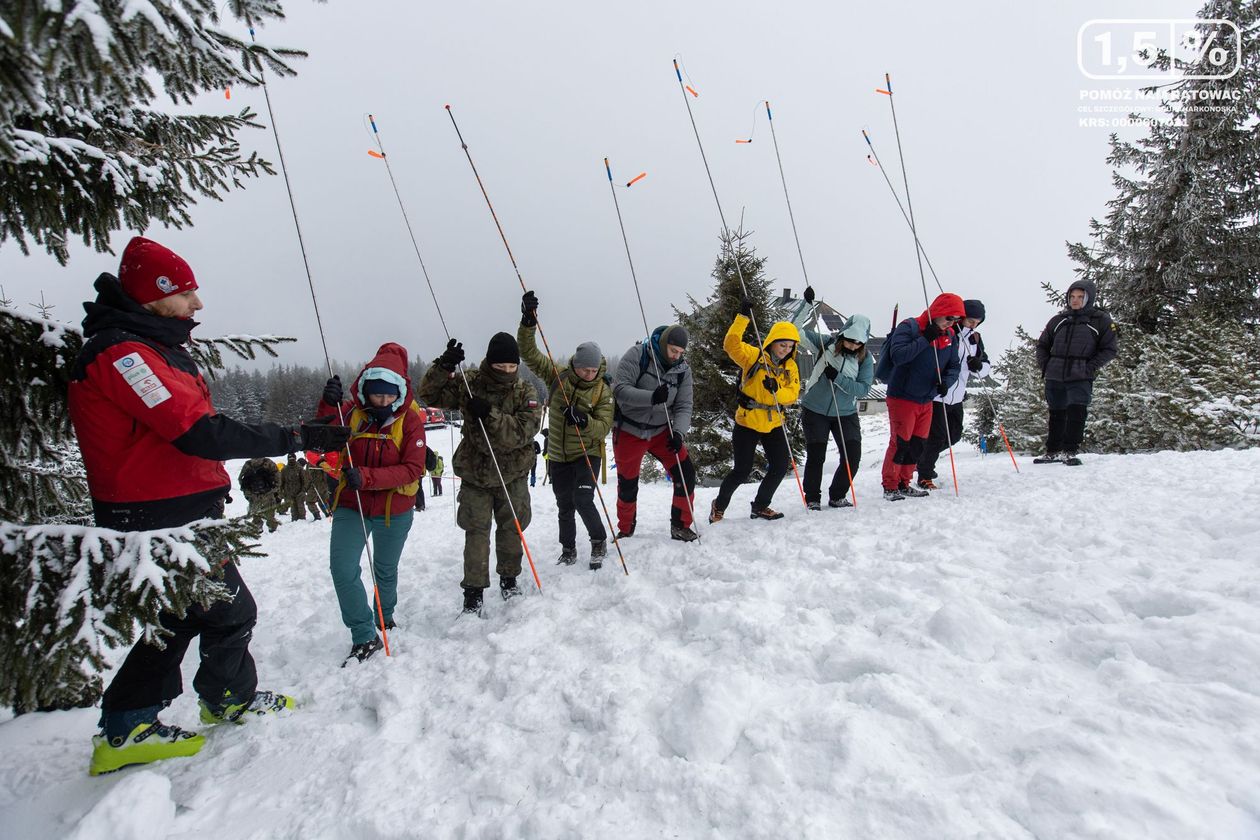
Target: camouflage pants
{"points": [[299, 506], [262, 506], [478, 507]]}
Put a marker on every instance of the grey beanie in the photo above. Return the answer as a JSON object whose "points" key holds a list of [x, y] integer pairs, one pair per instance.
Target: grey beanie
{"points": [[675, 334], [588, 355]]}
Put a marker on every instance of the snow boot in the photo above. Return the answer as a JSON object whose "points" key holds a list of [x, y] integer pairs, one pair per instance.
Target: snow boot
{"points": [[1049, 458], [893, 496], [839, 503], [715, 515], [148, 742], [1071, 459], [390, 625], [568, 556], [909, 490], [928, 484], [599, 549], [628, 532], [814, 505], [262, 703], [508, 588], [363, 652], [472, 599], [769, 514], [680, 532]]}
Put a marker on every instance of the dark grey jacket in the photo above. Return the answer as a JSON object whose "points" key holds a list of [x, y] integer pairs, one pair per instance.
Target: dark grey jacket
{"points": [[1077, 343], [633, 384]]}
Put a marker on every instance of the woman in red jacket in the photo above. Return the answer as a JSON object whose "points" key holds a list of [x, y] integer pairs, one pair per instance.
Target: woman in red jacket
{"points": [[384, 463]]}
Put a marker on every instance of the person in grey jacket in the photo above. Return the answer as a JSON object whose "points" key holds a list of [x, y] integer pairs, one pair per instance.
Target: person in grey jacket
{"points": [[653, 392], [1072, 348], [843, 373]]}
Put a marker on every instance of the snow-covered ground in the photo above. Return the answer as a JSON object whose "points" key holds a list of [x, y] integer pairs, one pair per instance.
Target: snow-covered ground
{"points": [[1058, 653]]}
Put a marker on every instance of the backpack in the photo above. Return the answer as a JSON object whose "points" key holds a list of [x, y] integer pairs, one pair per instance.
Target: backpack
{"points": [[395, 433]]}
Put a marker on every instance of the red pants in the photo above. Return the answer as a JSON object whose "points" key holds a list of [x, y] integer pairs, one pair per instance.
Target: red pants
{"points": [[628, 451], [909, 424]]}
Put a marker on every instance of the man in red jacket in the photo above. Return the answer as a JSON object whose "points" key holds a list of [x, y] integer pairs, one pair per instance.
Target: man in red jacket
{"points": [[153, 448]]}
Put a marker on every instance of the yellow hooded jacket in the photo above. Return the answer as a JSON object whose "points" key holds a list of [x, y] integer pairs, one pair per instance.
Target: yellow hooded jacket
{"points": [[755, 365]]}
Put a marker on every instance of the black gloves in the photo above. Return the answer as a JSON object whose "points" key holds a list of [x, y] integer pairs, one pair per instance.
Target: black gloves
{"points": [[451, 356], [430, 459], [660, 394], [321, 436], [479, 407], [333, 394], [529, 310], [975, 363], [809, 294], [942, 388], [771, 384], [574, 417], [353, 477], [745, 307], [933, 332], [675, 442], [830, 373]]}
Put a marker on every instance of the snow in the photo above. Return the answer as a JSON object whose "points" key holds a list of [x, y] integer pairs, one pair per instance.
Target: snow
{"points": [[1057, 653]]}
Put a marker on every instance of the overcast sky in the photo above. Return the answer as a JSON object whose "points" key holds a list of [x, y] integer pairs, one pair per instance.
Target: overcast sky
{"points": [[1001, 173]]}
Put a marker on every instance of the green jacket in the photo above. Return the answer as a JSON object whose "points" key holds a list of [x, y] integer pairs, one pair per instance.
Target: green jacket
{"points": [[594, 399], [514, 418]]}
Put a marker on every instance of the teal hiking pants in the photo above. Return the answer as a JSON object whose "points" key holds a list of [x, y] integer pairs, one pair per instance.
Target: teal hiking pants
{"points": [[358, 607]]}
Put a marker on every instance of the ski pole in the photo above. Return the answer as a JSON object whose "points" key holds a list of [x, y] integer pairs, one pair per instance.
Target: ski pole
{"points": [[660, 379], [555, 369], [319, 322], [739, 272], [464, 376], [918, 255]]}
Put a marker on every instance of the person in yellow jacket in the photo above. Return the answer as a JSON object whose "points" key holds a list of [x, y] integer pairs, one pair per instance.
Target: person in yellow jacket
{"points": [[769, 380]]}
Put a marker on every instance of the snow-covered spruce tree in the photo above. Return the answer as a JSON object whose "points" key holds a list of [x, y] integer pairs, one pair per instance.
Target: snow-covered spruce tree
{"points": [[714, 374], [82, 151]]}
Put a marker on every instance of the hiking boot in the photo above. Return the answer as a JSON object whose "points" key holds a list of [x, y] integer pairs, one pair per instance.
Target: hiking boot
{"points": [[568, 556], [715, 514], [363, 652], [472, 599], [262, 703], [909, 490], [1049, 458], [893, 496], [814, 505], [928, 484], [765, 513], [148, 742], [839, 503], [390, 625], [1071, 459], [679, 531], [508, 588], [627, 532], [599, 549]]}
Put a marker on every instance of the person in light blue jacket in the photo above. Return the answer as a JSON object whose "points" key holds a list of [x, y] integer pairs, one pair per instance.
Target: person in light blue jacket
{"points": [[843, 373]]}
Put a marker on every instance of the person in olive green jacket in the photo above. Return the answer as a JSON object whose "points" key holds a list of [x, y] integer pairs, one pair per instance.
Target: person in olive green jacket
{"points": [[581, 411], [507, 409]]}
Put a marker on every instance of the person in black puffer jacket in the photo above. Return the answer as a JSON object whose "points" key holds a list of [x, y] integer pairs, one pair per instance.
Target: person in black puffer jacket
{"points": [[1072, 348]]}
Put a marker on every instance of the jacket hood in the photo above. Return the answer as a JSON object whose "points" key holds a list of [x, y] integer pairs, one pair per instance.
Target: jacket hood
{"points": [[946, 304], [113, 309], [781, 331], [857, 328], [389, 364], [1091, 294]]}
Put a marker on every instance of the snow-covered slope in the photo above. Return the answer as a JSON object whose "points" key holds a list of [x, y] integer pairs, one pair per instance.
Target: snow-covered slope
{"points": [[1057, 653]]}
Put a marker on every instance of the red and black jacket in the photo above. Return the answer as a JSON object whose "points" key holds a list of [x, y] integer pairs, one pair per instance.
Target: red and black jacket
{"points": [[152, 443]]}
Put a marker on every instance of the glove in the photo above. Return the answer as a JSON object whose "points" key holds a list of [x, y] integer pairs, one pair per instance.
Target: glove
{"points": [[529, 310], [975, 363], [321, 436], [809, 294], [745, 307], [574, 417], [479, 407], [771, 384], [452, 356], [353, 477], [675, 442], [660, 394], [933, 332], [830, 373], [942, 388], [333, 394]]}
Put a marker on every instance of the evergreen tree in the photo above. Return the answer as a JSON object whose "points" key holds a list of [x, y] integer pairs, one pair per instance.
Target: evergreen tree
{"points": [[715, 376], [82, 150]]}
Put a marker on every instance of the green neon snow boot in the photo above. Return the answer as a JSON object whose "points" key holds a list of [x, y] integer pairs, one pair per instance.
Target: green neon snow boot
{"points": [[262, 703], [147, 742]]}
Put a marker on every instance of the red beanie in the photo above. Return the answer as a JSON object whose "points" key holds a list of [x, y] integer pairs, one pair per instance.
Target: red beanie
{"points": [[150, 271]]}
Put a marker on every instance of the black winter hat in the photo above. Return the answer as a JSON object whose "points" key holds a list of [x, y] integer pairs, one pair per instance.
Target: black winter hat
{"points": [[974, 309], [503, 349], [676, 335]]}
